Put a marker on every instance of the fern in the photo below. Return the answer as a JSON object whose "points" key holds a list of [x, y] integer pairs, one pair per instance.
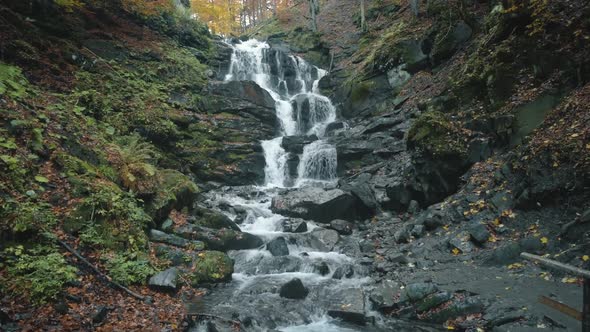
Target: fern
{"points": [[134, 162]]}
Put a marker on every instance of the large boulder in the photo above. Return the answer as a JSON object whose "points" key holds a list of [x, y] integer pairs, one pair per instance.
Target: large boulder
{"points": [[243, 96], [349, 305], [173, 240], [320, 205], [211, 267], [327, 237], [295, 144], [294, 289], [165, 280], [211, 219], [223, 239], [278, 247]]}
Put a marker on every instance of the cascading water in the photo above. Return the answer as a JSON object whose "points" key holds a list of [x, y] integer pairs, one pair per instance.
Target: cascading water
{"points": [[300, 109], [252, 295]]}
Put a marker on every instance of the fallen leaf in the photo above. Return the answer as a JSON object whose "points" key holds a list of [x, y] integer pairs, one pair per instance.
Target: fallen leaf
{"points": [[567, 280], [544, 240], [41, 179], [585, 258]]}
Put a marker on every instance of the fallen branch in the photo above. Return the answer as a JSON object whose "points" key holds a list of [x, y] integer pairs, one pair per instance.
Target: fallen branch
{"points": [[98, 272]]}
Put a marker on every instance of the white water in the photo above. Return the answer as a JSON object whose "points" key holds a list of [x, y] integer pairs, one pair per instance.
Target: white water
{"points": [[301, 110], [313, 112]]}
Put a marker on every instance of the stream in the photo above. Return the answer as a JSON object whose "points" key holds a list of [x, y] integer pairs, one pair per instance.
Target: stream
{"points": [[327, 264]]}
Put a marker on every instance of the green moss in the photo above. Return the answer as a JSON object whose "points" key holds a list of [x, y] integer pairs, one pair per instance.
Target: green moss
{"points": [[434, 133], [211, 267], [360, 90]]}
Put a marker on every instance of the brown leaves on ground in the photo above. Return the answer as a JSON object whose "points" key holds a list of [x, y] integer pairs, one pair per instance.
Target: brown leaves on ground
{"points": [[124, 312]]}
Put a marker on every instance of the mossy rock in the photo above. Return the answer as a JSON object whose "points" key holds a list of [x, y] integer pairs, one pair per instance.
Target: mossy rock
{"points": [[211, 267], [176, 191], [434, 133], [212, 219]]}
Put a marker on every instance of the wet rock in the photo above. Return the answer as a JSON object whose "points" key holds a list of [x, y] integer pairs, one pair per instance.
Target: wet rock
{"points": [[366, 246], [343, 227], [458, 308], [346, 271], [294, 226], [321, 268], [383, 295], [479, 149], [399, 196], [502, 201], [100, 314], [453, 40], [176, 257], [211, 219], [211, 267], [479, 233], [397, 257], [319, 205], [177, 241], [278, 247], [432, 301], [349, 305], [397, 77], [165, 280], [417, 231], [505, 254], [362, 190], [461, 242], [411, 55], [413, 207], [294, 289], [416, 292], [332, 127], [265, 264], [381, 124], [219, 239], [167, 225], [401, 235], [295, 144], [531, 244], [244, 96], [327, 237]]}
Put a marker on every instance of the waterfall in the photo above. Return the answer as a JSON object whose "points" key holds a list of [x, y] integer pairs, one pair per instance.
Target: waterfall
{"points": [[300, 109], [298, 156]]}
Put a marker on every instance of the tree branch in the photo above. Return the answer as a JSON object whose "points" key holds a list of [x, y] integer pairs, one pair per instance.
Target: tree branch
{"points": [[98, 272]]}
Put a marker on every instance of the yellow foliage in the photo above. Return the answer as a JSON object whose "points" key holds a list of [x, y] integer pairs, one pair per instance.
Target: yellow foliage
{"points": [[147, 8], [69, 5], [220, 15]]}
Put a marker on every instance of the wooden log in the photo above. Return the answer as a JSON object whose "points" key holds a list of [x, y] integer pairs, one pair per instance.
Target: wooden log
{"points": [[556, 265]]}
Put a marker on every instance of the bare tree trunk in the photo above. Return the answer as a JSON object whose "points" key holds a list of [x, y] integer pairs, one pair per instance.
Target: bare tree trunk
{"points": [[314, 8], [363, 18], [415, 6]]}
